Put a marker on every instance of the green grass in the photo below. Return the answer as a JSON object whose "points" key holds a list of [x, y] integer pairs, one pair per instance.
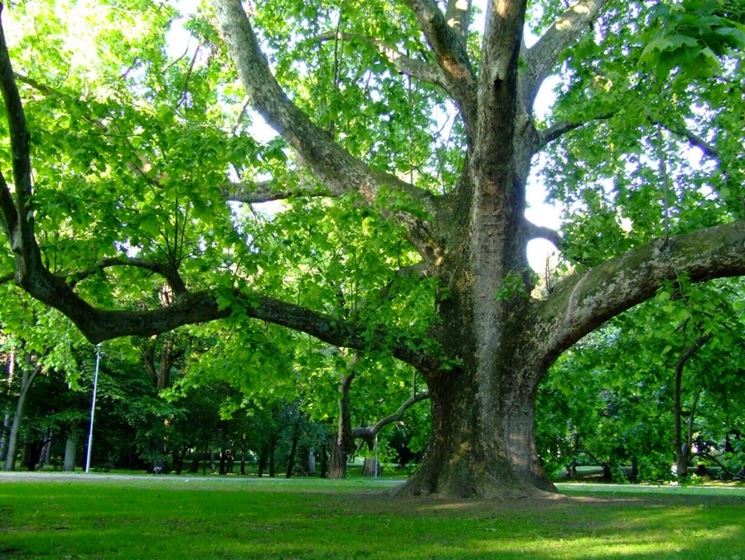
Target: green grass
{"points": [[186, 518]]}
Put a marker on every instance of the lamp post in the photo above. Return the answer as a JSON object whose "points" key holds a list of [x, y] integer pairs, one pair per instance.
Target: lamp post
{"points": [[93, 409]]}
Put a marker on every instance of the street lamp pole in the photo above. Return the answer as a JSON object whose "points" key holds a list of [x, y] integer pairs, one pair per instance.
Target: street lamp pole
{"points": [[93, 409]]}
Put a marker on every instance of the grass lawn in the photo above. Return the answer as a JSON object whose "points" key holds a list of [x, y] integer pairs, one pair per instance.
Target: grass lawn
{"points": [[158, 518]]}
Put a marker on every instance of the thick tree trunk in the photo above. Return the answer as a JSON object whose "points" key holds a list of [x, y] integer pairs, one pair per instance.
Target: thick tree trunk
{"points": [[337, 467], [467, 458]]}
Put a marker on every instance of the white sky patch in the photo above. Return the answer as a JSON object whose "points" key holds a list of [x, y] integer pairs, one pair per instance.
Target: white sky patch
{"points": [[539, 211]]}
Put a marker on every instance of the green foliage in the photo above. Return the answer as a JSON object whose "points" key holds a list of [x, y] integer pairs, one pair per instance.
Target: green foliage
{"points": [[692, 36], [609, 399]]}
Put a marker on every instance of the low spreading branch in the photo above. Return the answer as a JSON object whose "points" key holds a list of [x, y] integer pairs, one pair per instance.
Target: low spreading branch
{"points": [[583, 302], [369, 433]]}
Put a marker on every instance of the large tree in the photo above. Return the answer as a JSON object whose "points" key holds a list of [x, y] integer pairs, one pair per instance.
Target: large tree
{"points": [[359, 92]]}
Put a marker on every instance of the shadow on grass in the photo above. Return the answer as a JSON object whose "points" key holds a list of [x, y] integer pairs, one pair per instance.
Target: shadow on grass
{"points": [[163, 520]]}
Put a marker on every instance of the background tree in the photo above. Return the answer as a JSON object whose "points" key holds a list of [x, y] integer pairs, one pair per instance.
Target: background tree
{"points": [[651, 389]]}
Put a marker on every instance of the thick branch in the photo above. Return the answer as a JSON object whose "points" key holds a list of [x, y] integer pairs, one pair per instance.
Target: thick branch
{"points": [[200, 307], [18, 218], [331, 163], [368, 433], [449, 48], [542, 57], [542, 232], [584, 302]]}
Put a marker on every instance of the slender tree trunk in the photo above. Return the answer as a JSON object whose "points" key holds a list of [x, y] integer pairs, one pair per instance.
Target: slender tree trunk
{"points": [[27, 378], [293, 449], [634, 474], [45, 450], [324, 461], [263, 459], [179, 456], [4, 433], [371, 467], [272, 453], [7, 417], [681, 446], [343, 443], [71, 450], [166, 363]]}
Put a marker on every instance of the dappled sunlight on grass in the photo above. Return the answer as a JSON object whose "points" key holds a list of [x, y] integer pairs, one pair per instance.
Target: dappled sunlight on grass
{"points": [[311, 519]]}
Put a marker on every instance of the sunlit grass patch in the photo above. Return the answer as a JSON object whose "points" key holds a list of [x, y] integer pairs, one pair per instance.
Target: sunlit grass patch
{"points": [[171, 517]]}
